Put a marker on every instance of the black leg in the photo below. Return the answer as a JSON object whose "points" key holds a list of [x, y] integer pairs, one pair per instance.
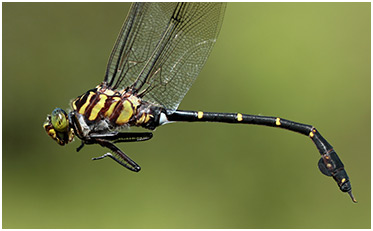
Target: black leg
{"points": [[107, 140], [329, 164], [118, 161], [117, 137], [120, 157], [80, 146]]}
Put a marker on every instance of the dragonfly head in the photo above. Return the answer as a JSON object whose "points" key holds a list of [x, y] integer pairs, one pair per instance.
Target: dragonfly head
{"points": [[58, 127]]}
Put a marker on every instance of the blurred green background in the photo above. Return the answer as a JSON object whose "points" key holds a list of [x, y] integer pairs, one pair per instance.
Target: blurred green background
{"points": [[308, 62]]}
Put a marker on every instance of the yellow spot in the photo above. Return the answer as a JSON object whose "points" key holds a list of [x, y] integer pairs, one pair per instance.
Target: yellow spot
{"points": [[125, 114], [97, 108], [134, 100], [239, 117], [142, 119], [85, 105], [52, 133], [329, 165], [200, 115], [148, 116], [112, 106], [109, 92], [311, 134], [81, 97], [343, 180], [74, 104], [71, 135], [278, 123]]}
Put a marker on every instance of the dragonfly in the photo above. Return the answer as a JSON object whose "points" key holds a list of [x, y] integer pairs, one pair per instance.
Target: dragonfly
{"points": [[159, 52]]}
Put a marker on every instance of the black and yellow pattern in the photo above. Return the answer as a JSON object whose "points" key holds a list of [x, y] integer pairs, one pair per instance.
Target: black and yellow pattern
{"points": [[104, 104]]}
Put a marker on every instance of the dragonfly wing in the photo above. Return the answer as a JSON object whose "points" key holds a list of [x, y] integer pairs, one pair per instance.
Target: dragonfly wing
{"points": [[162, 47]]}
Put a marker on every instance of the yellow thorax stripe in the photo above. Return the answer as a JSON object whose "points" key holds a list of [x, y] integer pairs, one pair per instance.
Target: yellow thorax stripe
{"points": [[112, 106], [87, 102], [97, 108], [125, 114]]}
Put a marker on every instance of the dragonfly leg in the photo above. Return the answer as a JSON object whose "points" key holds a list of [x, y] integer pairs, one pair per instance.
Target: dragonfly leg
{"points": [[135, 169], [118, 137], [80, 146], [103, 156], [108, 139], [119, 156]]}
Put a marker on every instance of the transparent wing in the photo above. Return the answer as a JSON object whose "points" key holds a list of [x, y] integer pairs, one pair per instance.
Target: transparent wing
{"points": [[161, 49]]}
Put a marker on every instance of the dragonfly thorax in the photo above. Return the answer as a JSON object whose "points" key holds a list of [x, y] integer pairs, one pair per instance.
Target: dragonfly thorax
{"points": [[117, 108]]}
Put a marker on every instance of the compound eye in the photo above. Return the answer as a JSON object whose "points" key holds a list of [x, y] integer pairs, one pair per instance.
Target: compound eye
{"points": [[59, 120]]}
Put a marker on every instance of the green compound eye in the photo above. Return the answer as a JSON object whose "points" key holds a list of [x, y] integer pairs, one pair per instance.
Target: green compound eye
{"points": [[59, 120]]}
